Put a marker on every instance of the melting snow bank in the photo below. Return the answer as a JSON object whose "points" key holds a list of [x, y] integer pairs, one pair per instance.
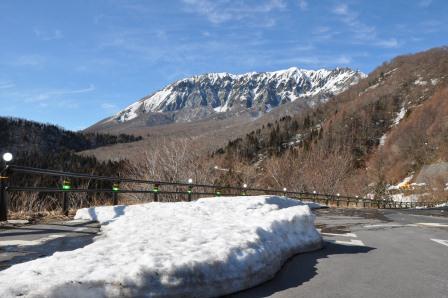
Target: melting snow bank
{"points": [[210, 247]]}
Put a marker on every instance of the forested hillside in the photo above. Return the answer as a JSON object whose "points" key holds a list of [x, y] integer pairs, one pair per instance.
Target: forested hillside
{"points": [[48, 146], [397, 111]]}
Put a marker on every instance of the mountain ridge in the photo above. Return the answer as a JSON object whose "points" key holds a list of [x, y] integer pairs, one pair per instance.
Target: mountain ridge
{"points": [[227, 95]]}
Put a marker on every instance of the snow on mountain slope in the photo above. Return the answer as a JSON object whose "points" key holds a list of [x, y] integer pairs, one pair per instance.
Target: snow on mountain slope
{"points": [[224, 92]]}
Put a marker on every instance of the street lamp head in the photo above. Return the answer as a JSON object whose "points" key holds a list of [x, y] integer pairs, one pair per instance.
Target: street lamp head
{"points": [[7, 157], [190, 180], [314, 192], [284, 188], [338, 194], [215, 167], [245, 185]]}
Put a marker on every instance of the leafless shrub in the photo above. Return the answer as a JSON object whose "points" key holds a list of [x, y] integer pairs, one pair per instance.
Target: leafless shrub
{"points": [[317, 170]]}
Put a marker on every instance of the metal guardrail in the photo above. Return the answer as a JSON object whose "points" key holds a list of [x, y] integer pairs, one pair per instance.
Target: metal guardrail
{"points": [[188, 190]]}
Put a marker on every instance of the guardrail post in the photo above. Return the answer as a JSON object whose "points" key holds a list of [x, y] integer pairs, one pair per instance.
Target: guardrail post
{"points": [[115, 189], [64, 203], [3, 200], [190, 190], [156, 192], [115, 198], [66, 185]]}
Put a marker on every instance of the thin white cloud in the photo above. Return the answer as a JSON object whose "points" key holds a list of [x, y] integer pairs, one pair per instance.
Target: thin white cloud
{"points": [[432, 26], [351, 19], [109, 106], [387, 43], [6, 84], [324, 33], [45, 99], [321, 29], [47, 35], [425, 3], [220, 11], [316, 60], [57, 93], [68, 104], [341, 9], [303, 4], [29, 60], [362, 32]]}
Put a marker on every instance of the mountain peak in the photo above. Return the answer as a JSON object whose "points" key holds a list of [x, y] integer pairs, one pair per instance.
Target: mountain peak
{"points": [[201, 96]]}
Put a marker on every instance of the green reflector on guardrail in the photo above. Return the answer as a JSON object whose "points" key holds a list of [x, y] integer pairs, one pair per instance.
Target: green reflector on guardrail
{"points": [[66, 185]]}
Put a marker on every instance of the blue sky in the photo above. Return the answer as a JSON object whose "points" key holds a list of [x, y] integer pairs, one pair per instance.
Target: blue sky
{"points": [[73, 63]]}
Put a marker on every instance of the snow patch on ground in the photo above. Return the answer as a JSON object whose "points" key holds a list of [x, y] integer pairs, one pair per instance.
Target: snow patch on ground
{"points": [[402, 183], [383, 139], [396, 121], [400, 115], [372, 87], [399, 197], [420, 82], [221, 109], [390, 72], [210, 247], [130, 112], [434, 81]]}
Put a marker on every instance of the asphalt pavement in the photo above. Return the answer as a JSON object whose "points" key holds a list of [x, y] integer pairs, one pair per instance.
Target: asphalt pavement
{"points": [[20, 244], [368, 253]]}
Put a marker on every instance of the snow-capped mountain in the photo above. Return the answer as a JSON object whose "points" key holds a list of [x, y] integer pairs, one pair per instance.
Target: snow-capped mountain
{"points": [[201, 96]]}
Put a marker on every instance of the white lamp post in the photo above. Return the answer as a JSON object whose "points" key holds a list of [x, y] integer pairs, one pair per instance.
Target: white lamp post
{"points": [[244, 189]]}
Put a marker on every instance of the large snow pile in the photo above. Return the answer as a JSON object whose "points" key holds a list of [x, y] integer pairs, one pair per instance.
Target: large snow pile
{"points": [[209, 247]]}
